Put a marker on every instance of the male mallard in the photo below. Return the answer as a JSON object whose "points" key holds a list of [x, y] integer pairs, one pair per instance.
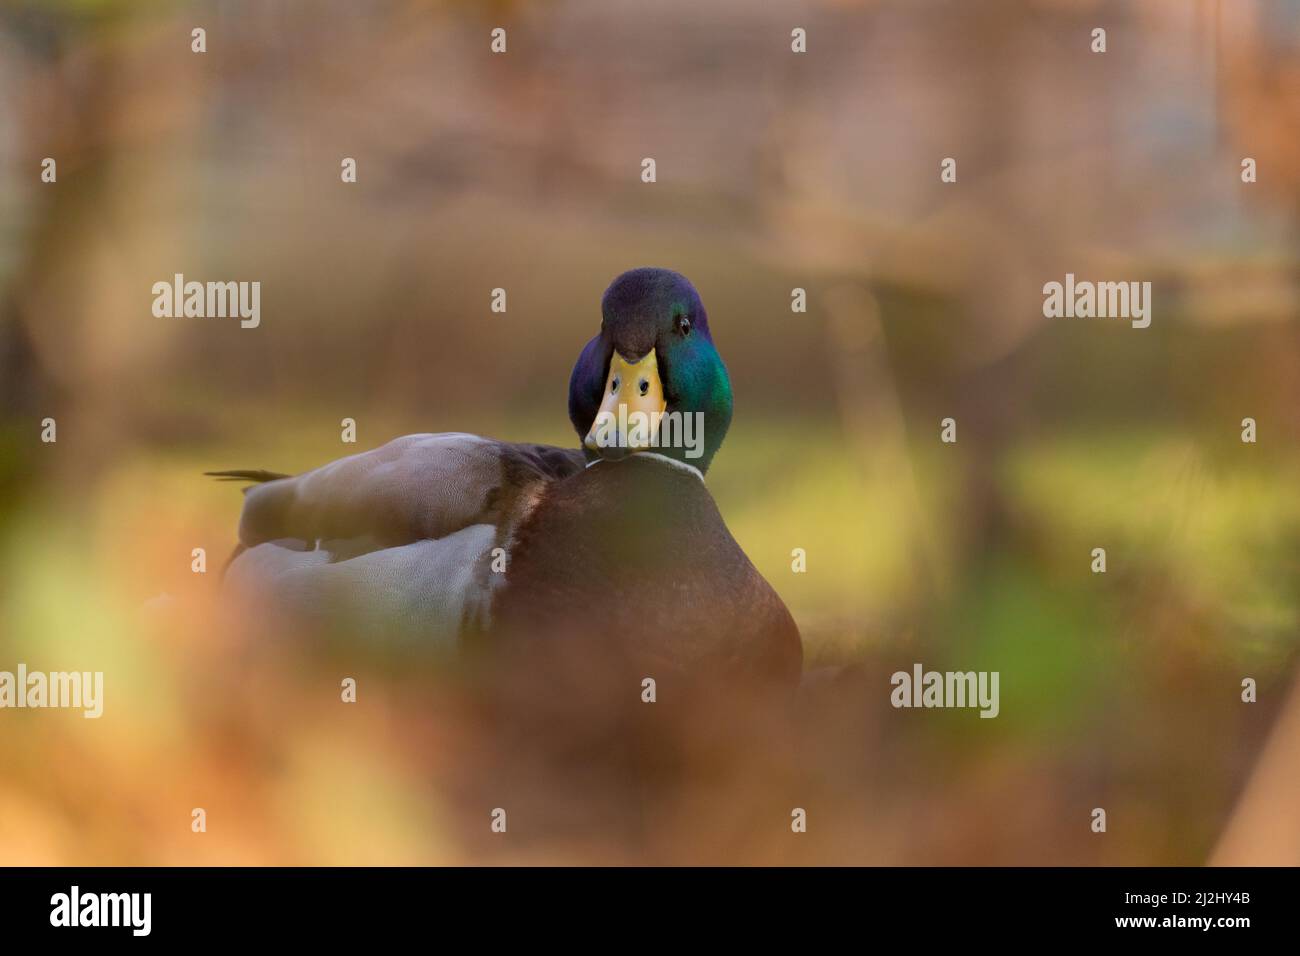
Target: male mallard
{"points": [[619, 543]]}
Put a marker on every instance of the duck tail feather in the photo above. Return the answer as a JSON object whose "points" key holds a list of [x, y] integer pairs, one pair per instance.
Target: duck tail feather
{"points": [[246, 474]]}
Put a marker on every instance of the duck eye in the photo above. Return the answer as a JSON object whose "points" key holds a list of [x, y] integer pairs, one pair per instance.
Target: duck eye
{"points": [[644, 386], [684, 324], [613, 386]]}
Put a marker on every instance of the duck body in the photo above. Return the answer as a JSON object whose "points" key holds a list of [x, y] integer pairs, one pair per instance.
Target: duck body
{"points": [[631, 557]]}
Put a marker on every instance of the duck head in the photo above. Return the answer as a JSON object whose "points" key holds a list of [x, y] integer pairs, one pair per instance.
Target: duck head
{"points": [[651, 381]]}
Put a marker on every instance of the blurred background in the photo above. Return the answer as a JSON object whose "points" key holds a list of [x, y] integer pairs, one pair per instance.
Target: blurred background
{"points": [[775, 171]]}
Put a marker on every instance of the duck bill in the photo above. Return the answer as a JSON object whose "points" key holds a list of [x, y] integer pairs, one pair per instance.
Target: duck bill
{"points": [[629, 415]]}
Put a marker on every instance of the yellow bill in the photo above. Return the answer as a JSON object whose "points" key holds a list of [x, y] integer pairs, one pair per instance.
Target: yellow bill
{"points": [[629, 415]]}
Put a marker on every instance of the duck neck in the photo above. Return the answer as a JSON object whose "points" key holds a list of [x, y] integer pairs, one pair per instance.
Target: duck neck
{"points": [[657, 457]]}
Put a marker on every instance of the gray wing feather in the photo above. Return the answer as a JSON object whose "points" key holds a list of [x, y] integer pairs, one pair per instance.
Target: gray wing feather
{"points": [[414, 488], [398, 535]]}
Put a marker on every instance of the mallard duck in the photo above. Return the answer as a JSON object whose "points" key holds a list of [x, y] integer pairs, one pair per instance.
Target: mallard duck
{"points": [[457, 538]]}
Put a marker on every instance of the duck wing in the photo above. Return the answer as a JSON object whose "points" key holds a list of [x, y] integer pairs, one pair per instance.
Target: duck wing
{"points": [[401, 535]]}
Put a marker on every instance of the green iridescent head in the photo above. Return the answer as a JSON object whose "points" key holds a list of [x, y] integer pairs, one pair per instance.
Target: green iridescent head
{"points": [[652, 380]]}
